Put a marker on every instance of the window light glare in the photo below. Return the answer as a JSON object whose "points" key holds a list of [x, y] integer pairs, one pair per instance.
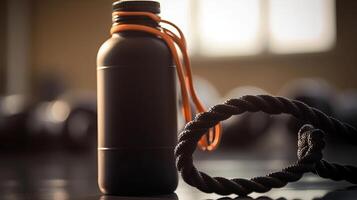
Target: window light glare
{"points": [[248, 27], [301, 26], [178, 12], [229, 27]]}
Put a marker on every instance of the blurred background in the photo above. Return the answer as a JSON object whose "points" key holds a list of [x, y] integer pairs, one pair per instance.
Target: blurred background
{"points": [[262, 43], [302, 49]]}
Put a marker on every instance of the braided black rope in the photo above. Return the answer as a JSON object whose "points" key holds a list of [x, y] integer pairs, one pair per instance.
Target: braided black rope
{"points": [[310, 145]]}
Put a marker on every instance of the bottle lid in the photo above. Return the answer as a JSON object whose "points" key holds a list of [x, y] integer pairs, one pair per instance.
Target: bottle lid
{"points": [[138, 6]]}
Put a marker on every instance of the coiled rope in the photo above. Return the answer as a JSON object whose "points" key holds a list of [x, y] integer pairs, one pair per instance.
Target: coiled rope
{"points": [[310, 145], [205, 131]]}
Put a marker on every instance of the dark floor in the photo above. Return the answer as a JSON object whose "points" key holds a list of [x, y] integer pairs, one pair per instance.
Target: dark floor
{"points": [[73, 176]]}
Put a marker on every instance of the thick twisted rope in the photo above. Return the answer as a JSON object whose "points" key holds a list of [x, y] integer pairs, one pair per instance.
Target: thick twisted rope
{"points": [[310, 145]]}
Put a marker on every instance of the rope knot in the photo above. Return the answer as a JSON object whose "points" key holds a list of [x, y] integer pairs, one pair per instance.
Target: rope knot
{"points": [[310, 144]]}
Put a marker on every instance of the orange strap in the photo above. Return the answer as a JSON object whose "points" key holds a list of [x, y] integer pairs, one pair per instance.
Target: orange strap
{"points": [[210, 140]]}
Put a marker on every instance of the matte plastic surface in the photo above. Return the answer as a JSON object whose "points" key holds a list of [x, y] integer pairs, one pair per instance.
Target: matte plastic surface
{"points": [[137, 125]]}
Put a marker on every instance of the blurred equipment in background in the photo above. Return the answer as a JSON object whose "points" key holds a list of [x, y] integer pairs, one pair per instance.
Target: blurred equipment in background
{"points": [[80, 128], [45, 124], [50, 86], [65, 123], [244, 130], [316, 93], [346, 107], [14, 112], [68, 122]]}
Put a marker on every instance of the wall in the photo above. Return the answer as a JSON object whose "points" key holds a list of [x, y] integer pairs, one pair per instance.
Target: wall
{"points": [[66, 38], [67, 34], [18, 46], [3, 18]]}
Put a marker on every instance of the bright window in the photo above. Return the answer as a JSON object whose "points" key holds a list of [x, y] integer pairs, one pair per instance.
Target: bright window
{"points": [[301, 26], [178, 12], [229, 27], [249, 27]]}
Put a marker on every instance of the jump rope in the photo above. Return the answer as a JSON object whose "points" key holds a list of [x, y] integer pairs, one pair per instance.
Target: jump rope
{"points": [[205, 132]]}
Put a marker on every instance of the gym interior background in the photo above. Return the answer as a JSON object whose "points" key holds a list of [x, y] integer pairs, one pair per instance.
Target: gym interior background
{"points": [[303, 49], [61, 38]]}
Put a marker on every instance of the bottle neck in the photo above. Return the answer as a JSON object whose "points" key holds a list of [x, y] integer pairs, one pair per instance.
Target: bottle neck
{"points": [[140, 20]]}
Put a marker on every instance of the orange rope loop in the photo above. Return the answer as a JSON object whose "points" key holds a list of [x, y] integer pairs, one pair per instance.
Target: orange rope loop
{"points": [[210, 140]]}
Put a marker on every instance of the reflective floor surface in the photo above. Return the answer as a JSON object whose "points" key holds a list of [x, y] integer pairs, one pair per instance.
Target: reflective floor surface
{"points": [[61, 176]]}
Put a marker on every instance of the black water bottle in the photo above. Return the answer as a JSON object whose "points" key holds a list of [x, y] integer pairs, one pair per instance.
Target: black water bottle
{"points": [[137, 122]]}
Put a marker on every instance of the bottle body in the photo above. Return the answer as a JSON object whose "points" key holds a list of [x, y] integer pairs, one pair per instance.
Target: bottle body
{"points": [[137, 129]]}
